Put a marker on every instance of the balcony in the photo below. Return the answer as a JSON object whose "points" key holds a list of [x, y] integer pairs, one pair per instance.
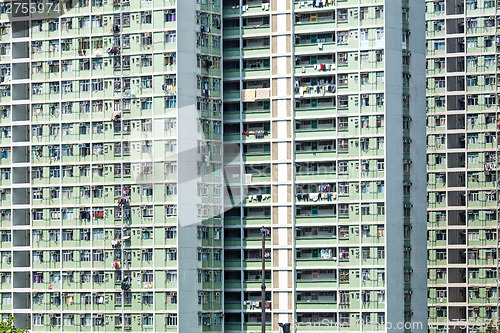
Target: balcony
{"points": [[256, 51], [254, 95], [317, 26], [316, 257], [315, 219], [315, 154], [317, 240], [316, 305], [315, 47], [255, 30], [319, 283], [256, 157], [315, 90], [319, 132]]}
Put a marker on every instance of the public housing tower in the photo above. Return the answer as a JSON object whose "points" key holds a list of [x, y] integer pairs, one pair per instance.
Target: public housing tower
{"points": [[462, 155], [323, 143], [145, 143]]}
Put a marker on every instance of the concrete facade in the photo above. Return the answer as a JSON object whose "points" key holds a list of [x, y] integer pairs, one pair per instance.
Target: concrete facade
{"points": [[119, 211], [462, 155]]}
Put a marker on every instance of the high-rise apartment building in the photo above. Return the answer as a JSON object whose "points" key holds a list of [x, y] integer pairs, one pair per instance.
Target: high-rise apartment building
{"points": [[117, 213], [111, 158], [462, 156], [323, 146]]}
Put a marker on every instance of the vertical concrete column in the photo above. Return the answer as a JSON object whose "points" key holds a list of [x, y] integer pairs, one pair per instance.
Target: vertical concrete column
{"points": [[188, 137], [20, 173], [20, 159], [282, 156]]}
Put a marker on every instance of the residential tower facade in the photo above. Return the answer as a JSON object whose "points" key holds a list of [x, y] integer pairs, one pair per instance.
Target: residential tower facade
{"points": [[120, 211], [112, 151], [321, 137], [462, 147]]}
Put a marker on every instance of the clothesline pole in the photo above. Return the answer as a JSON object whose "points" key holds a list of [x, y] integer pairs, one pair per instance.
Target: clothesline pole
{"points": [[263, 231]]}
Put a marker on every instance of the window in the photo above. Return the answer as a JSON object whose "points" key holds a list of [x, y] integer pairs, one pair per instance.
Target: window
{"points": [[147, 254], [171, 254], [380, 143], [67, 256], [146, 18], [147, 233], [171, 210], [68, 320], [147, 211], [147, 39], [67, 87], [217, 255], [98, 255], [490, 196], [171, 297], [37, 236], [37, 257], [343, 167], [380, 209], [97, 85], [171, 319], [67, 235], [439, 45], [439, 83], [37, 214], [170, 232], [489, 61], [55, 256], [489, 100], [84, 256], [85, 320], [146, 82], [171, 276], [146, 103], [170, 102], [471, 4], [37, 89], [98, 234], [6, 236], [147, 298], [38, 319]]}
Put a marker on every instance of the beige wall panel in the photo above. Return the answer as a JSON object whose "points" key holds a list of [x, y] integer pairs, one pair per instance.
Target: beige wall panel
{"points": [[274, 130]]}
